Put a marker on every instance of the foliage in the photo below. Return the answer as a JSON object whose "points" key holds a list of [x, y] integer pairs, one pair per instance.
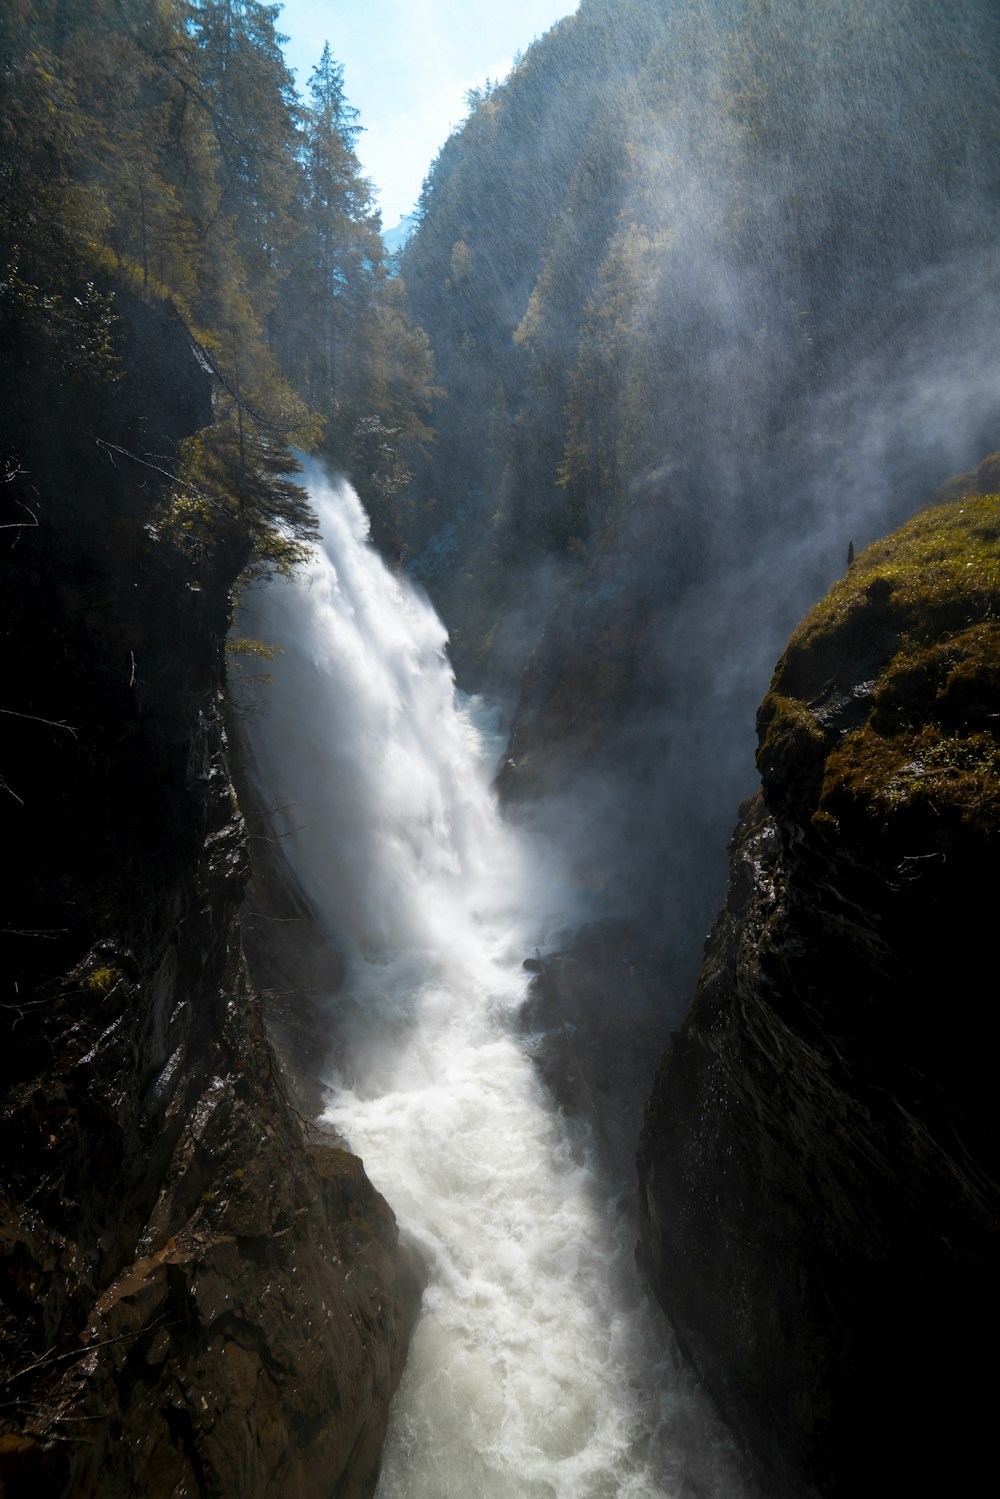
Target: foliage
{"points": [[233, 489], [78, 330], [100, 980], [239, 646], [159, 147], [663, 265]]}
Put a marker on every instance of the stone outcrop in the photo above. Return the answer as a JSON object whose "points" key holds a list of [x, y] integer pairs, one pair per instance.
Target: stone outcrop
{"points": [[818, 1168], [595, 1017], [198, 1294]]}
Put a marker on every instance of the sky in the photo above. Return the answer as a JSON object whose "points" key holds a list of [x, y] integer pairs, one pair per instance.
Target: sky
{"points": [[407, 67]]}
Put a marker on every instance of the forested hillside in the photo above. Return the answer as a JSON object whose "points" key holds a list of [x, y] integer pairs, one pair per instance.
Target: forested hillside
{"points": [[657, 256], [705, 286], [160, 149]]}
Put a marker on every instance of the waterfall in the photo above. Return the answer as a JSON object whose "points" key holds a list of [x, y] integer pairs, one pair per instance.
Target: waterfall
{"points": [[538, 1369]]}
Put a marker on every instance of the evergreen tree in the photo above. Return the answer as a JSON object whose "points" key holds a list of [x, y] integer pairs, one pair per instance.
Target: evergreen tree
{"points": [[338, 251], [158, 148], [249, 97]]}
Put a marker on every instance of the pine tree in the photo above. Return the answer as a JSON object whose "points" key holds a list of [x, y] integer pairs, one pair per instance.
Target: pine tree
{"points": [[248, 94], [338, 252]]}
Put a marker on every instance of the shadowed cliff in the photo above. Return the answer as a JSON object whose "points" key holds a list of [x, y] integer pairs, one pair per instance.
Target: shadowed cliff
{"points": [[195, 1296], [819, 1162]]}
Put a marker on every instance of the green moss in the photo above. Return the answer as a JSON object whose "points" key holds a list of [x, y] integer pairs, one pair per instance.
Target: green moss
{"points": [[333, 1162], [914, 632], [935, 574], [100, 980], [956, 680], [926, 775], [790, 735], [788, 721]]}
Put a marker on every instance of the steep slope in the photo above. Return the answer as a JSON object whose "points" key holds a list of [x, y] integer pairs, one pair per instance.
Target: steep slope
{"points": [[709, 288], [819, 1164], [195, 1298]]}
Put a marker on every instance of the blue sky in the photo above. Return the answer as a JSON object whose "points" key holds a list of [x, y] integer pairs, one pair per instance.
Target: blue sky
{"points": [[407, 67]]}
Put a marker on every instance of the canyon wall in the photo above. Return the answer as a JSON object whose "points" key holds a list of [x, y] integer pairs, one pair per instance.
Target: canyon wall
{"points": [[818, 1168], [198, 1294]]}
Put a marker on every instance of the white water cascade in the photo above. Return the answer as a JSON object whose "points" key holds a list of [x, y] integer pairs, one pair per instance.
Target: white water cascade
{"points": [[539, 1369]]}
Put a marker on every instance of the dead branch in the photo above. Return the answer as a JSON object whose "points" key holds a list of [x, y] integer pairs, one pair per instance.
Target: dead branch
{"points": [[52, 723]]}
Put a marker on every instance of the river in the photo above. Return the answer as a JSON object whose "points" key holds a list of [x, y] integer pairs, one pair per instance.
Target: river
{"points": [[539, 1368]]}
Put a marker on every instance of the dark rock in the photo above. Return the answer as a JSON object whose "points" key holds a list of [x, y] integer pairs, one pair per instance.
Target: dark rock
{"points": [[197, 1295], [595, 1029], [819, 1162], [294, 965]]}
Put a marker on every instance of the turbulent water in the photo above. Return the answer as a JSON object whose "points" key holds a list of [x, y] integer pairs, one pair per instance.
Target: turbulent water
{"points": [[538, 1369]]}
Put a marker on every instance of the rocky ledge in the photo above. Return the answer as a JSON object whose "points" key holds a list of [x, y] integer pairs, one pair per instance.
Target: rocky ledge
{"points": [[818, 1167]]}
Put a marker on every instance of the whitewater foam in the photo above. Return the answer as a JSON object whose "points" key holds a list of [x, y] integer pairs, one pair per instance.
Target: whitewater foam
{"points": [[538, 1369]]}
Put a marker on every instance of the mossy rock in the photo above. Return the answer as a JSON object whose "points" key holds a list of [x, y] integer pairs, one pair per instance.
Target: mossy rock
{"points": [[883, 712], [983, 480], [793, 748]]}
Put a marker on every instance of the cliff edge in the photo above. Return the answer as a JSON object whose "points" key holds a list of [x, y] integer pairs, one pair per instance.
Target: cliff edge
{"points": [[197, 1296], [820, 1214]]}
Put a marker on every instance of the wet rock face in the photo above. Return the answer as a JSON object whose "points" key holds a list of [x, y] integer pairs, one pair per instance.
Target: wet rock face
{"points": [[819, 1163], [197, 1296], [594, 1015], [224, 1301]]}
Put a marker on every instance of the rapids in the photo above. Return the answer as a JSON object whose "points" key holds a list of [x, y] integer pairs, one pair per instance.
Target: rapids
{"points": [[539, 1368]]}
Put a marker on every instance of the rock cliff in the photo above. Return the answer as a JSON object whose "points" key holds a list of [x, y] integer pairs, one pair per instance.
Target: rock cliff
{"points": [[818, 1168], [197, 1296]]}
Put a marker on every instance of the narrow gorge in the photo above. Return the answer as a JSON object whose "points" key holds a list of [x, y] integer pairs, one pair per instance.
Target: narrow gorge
{"points": [[387, 619], [538, 1365]]}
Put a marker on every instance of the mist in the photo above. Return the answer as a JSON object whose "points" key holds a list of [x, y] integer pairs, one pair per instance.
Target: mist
{"points": [[538, 1365], [701, 295], [756, 326]]}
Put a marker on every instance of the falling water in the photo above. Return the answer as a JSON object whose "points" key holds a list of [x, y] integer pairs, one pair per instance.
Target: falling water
{"points": [[538, 1369]]}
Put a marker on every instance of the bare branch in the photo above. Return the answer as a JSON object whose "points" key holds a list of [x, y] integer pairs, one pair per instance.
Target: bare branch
{"points": [[10, 790], [112, 447], [50, 933], [33, 718]]}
